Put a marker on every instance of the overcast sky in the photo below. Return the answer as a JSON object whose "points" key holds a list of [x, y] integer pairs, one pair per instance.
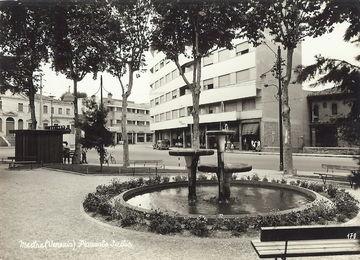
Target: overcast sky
{"points": [[329, 45]]}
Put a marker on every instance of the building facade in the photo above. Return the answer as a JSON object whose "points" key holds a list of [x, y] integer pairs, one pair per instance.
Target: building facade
{"points": [[138, 120], [326, 107], [15, 114], [232, 93]]}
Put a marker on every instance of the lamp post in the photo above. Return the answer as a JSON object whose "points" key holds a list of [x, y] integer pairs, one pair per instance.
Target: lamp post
{"points": [[279, 94], [51, 110]]}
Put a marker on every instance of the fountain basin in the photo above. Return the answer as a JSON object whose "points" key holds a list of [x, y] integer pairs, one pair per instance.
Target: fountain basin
{"points": [[267, 198]]}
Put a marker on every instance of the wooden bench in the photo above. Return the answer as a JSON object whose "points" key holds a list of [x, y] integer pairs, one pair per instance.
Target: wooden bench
{"points": [[304, 241], [13, 163], [156, 163], [330, 168]]}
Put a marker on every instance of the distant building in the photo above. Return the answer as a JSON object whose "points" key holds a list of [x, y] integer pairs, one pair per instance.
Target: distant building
{"points": [[232, 93], [15, 114], [325, 108], [138, 120]]}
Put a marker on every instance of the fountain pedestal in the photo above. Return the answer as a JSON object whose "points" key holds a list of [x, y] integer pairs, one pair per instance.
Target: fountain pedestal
{"points": [[191, 159], [223, 172]]}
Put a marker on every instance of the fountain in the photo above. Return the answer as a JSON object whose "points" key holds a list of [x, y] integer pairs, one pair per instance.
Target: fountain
{"points": [[249, 197]]}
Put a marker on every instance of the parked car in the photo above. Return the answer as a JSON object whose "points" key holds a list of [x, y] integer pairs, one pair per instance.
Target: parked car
{"points": [[162, 145]]}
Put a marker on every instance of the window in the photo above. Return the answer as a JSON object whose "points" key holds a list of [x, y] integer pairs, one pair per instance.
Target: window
{"points": [[68, 111], [168, 115], [242, 48], [157, 118], [152, 102], [161, 64], [45, 125], [52, 110], [162, 99], [157, 101], [334, 109], [60, 111], [20, 107], [131, 122], [151, 85], [45, 109], [175, 114], [316, 113], [162, 81], [175, 73], [118, 121], [182, 112], [152, 70], [0, 104], [224, 55], [224, 80], [324, 105], [168, 96], [242, 76], [162, 117], [183, 90], [168, 77], [248, 104], [140, 122], [174, 93], [208, 84], [157, 84], [208, 60], [156, 67]]}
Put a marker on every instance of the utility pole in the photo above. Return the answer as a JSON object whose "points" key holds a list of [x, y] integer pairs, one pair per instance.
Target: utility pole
{"points": [[40, 125], [281, 166]]}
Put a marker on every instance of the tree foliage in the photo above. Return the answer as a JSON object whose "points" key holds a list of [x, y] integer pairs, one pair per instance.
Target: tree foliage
{"points": [[194, 29], [342, 74], [93, 124], [23, 46], [78, 45], [128, 38]]}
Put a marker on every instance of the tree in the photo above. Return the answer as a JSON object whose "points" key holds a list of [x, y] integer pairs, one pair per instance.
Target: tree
{"points": [[129, 39], [343, 74], [194, 29], [289, 22], [23, 42], [79, 95], [93, 125], [78, 48]]}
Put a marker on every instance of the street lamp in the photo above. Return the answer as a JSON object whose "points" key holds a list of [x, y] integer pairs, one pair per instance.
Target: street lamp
{"points": [[279, 94], [51, 110]]}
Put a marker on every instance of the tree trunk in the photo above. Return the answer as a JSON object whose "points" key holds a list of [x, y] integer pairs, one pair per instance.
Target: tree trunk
{"points": [[288, 160], [77, 153], [31, 96], [124, 131], [196, 105]]}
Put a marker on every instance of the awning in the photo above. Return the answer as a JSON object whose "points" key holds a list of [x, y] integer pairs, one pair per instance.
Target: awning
{"points": [[250, 129]]}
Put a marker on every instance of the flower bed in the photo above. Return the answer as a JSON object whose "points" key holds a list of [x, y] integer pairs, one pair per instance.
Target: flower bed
{"points": [[342, 208]]}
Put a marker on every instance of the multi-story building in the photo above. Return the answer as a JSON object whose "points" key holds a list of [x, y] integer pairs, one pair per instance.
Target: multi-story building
{"points": [[232, 93], [138, 120], [15, 114], [326, 107]]}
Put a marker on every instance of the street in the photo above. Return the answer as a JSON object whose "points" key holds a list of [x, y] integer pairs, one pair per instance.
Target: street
{"points": [[267, 161]]}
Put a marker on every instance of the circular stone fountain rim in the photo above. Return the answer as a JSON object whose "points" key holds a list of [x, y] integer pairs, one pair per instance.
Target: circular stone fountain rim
{"points": [[156, 187]]}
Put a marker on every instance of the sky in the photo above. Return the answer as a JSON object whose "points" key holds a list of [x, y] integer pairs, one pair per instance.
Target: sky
{"points": [[329, 45]]}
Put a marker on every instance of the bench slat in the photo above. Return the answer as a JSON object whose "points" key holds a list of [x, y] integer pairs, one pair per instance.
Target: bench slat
{"points": [[304, 248], [307, 233]]}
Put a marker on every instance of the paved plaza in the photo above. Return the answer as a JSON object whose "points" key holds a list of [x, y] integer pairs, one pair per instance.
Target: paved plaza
{"points": [[44, 206]]}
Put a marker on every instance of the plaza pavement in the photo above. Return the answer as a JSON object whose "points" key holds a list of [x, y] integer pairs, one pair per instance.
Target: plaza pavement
{"points": [[45, 206]]}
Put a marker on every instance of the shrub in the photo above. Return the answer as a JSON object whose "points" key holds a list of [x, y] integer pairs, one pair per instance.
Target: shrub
{"points": [[92, 202], [255, 177], [128, 218], [233, 177], [293, 183], [265, 179], [331, 191], [317, 187], [165, 179], [198, 226], [180, 178], [163, 224], [283, 181], [153, 180], [202, 177], [213, 177], [304, 184], [275, 181], [346, 204], [238, 226], [105, 208]]}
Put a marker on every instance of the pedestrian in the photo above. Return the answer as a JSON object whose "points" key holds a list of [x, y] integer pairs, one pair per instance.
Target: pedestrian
{"points": [[66, 152], [83, 156]]}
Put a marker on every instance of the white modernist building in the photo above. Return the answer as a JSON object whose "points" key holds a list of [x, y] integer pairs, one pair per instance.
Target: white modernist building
{"points": [[232, 93]]}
